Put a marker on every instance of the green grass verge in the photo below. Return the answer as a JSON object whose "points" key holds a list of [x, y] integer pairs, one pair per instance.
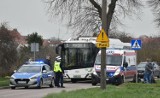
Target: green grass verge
{"points": [[127, 90], [4, 81]]}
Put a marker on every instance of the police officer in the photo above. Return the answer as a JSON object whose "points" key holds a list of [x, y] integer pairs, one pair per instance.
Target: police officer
{"points": [[58, 70]]}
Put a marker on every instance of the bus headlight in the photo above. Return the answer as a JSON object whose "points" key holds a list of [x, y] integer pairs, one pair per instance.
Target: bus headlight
{"points": [[94, 71], [117, 72]]}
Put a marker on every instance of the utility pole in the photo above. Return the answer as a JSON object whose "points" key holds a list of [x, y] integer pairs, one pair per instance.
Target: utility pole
{"points": [[103, 50]]}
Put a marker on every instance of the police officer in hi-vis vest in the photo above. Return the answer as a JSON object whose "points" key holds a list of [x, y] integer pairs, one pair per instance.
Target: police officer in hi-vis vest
{"points": [[58, 70]]}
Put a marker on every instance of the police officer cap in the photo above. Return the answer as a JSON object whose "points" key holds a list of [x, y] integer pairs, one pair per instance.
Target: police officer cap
{"points": [[58, 58]]}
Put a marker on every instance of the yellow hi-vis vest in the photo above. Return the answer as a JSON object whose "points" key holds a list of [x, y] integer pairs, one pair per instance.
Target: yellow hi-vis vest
{"points": [[57, 67]]}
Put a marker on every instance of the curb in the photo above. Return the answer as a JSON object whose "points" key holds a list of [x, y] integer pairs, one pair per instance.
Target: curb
{"points": [[4, 87]]}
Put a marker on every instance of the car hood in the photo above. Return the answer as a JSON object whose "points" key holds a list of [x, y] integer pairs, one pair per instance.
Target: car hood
{"points": [[140, 68], [24, 75]]}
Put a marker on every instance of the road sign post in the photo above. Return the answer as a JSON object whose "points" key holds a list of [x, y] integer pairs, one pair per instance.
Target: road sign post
{"points": [[34, 48], [136, 45], [103, 49], [103, 42]]}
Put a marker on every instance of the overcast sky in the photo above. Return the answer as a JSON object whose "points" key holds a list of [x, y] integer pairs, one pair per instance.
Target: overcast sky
{"points": [[30, 16]]}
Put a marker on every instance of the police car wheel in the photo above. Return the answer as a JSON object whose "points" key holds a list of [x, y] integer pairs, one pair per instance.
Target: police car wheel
{"points": [[40, 84], [52, 83]]}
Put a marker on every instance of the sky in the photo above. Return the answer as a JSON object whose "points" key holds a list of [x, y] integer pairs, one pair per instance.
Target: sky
{"points": [[29, 16]]}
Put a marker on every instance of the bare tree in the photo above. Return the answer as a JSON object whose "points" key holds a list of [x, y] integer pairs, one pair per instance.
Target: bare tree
{"points": [[85, 15], [155, 5]]}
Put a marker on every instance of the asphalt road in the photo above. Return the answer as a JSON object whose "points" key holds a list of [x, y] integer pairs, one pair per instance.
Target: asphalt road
{"points": [[40, 93]]}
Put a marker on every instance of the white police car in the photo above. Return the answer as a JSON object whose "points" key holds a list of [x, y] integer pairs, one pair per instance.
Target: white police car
{"points": [[33, 74]]}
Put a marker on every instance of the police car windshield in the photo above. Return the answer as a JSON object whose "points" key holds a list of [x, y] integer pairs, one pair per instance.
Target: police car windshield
{"points": [[114, 60], [29, 69]]}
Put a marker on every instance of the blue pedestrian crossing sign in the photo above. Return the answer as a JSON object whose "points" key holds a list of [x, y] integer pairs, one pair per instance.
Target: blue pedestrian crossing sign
{"points": [[136, 44]]}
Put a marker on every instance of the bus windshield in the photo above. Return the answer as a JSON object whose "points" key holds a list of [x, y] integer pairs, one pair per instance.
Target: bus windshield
{"points": [[80, 57], [114, 60]]}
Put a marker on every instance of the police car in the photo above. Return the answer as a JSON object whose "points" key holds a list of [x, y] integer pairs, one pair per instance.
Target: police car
{"points": [[33, 74]]}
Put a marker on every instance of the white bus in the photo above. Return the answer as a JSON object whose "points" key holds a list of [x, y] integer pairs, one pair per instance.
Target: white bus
{"points": [[78, 56]]}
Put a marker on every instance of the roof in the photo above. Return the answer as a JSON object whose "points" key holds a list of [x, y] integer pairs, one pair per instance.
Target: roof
{"points": [[114, 43], [35, 63]]}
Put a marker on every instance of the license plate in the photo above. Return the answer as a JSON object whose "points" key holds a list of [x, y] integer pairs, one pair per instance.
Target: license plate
{"points": [[77, 76], [22, 82]]}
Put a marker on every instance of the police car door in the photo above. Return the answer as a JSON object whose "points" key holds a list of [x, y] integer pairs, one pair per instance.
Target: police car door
{"points": [[49, 74], [44, 75]]}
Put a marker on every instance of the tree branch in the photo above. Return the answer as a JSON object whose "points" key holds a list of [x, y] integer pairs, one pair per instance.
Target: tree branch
{"points": [[98, 7], [110, 13]]}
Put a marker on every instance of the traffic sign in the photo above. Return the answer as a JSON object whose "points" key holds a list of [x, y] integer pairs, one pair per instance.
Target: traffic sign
{"points": [[136, 44], [102, 45], [34, 47], [102, 37]]}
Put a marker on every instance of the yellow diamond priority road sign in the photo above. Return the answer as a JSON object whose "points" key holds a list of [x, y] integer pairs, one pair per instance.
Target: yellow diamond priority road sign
{"points": [[102, 37]]}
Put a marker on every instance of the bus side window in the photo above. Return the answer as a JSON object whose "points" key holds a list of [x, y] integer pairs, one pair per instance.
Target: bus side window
{"points": [[59, 49]]}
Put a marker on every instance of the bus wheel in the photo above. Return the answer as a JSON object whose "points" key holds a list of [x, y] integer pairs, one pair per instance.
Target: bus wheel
{"points": [[94, 82], [73, 80]]}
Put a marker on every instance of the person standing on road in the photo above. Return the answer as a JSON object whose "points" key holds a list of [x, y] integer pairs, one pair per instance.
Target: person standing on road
{"points": [[148, 71], [48, 61], [58, 70]]}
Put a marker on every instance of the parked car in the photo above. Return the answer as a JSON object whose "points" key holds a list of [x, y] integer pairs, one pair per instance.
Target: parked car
{"points": [[141, 68], [33, 74]]}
